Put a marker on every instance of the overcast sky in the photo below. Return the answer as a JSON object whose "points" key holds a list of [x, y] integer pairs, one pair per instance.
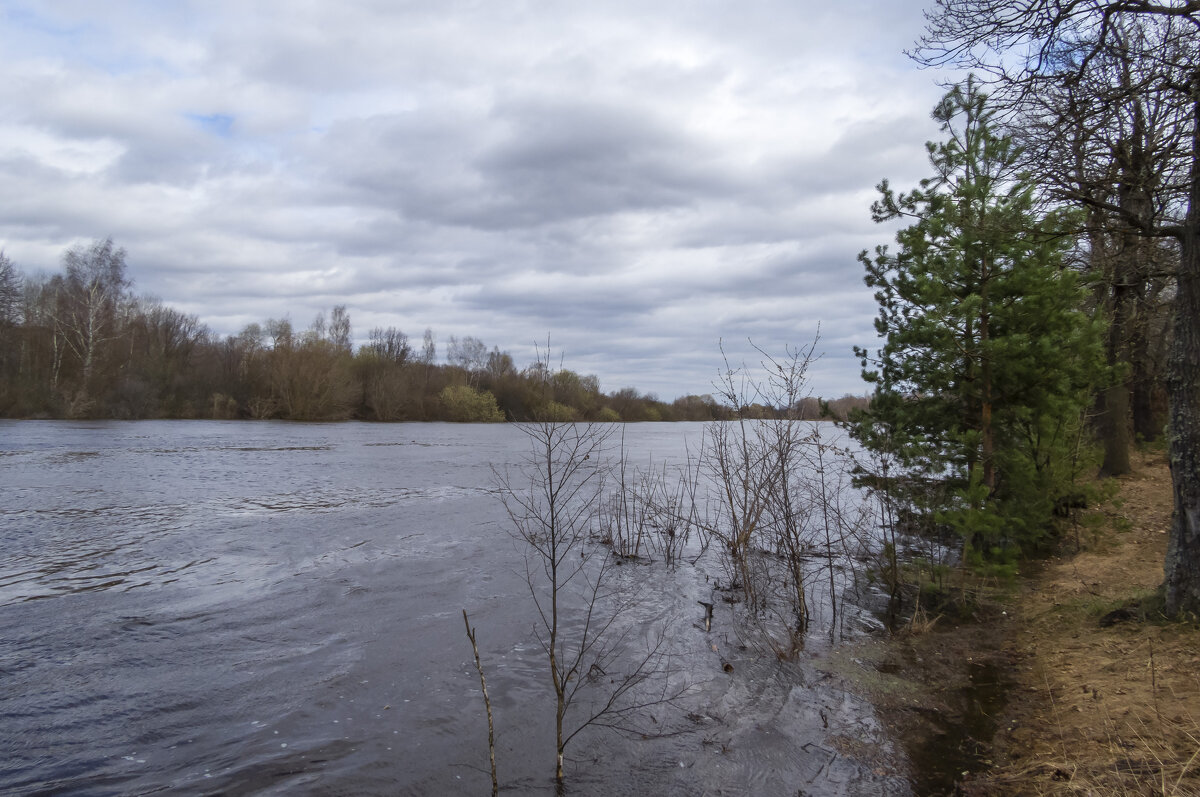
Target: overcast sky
{"points": [[635, 180]]}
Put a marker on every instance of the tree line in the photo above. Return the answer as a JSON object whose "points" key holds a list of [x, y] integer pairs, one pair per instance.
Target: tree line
{"points": [[82, 344], [1041, 313]]}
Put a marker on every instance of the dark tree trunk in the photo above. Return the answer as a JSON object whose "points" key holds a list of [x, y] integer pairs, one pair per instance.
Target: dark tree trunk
{"points": [[1128, 278], [1148, 419], [1182, 567], [1151, 342], [1115, 418]]}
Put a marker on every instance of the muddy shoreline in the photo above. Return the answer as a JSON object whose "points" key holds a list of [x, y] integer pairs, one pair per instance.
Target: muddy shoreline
{"points": [[941, 694]]}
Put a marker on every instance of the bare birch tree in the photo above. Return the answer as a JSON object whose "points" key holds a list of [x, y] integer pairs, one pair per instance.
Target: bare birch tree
{"points": [[85, 310]]}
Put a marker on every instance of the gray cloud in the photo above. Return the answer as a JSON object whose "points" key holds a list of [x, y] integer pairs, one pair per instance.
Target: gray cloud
{"points": [[637, 181]]}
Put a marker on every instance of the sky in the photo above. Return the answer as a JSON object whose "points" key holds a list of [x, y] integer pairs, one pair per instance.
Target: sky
{"points": [[640, 184]]}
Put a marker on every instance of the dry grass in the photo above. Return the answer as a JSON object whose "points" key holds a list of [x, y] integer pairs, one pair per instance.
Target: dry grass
{"points": [[921, 623], [1103, 710]]}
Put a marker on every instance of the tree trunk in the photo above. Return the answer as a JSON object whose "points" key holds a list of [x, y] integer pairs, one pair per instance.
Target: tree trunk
{"points": [[1127, 275], [1147, 417], [1115, 420], [985, 420], [1182, 585], [1115, 424]]}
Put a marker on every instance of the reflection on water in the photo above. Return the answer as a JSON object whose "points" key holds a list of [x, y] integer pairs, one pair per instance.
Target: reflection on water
{"points": [[272, 608]]}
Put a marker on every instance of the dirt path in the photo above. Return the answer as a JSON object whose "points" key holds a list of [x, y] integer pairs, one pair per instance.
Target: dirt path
{"points": [[1107, 696], [1061, 685]]}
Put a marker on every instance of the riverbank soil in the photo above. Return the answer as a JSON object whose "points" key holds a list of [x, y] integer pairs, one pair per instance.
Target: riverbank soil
{"points": [[1069, 682]]}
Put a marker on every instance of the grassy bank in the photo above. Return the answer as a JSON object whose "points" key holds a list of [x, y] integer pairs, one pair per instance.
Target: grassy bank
{"points": [[1068, 682]]}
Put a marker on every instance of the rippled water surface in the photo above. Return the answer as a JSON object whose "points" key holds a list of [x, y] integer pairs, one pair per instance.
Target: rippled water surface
{"points": [[268, 608]]}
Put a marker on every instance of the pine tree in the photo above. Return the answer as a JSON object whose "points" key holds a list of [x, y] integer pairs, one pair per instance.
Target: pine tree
{"points": [[987, 361]]}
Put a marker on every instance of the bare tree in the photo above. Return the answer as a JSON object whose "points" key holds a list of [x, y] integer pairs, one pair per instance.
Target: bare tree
{"points": [[339, 329], [390, 345], [786, 437], [787, 504], [656, 512], [499, 364], [469, 354], [280, 332], [85, 310], [428, 356], [428, 348], [742, 472], [552, 502], [316, 330], [1126, 148], [11, 295], [10, 292], [839, 519], [876, 467], [790, 522]]}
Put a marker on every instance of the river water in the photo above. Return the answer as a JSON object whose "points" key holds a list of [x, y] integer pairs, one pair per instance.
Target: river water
{"points": [[266, 608]]}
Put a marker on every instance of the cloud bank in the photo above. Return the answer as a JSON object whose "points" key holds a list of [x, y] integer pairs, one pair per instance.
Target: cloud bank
{"points": [[635, 181]]}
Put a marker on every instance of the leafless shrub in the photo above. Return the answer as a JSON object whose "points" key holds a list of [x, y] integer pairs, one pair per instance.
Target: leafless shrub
{"points": [[554, 505], [787, 512]]}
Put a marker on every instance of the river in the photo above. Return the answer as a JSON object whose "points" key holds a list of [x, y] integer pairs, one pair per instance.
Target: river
{"points": [[205, 607]]}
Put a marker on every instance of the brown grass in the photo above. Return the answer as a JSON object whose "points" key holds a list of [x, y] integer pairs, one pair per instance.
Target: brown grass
{"points": [[1102, 709]]}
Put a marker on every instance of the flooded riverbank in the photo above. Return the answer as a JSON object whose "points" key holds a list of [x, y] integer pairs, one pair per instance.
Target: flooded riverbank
{"points": [[940, 694], [276, 608]]}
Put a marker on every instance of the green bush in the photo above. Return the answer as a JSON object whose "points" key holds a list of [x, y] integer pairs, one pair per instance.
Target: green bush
{"points": [[554, 412], [464, 404]]}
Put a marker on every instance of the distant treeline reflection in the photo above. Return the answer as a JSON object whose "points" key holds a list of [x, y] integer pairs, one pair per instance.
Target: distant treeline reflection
{"points": [[81, 344]]}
